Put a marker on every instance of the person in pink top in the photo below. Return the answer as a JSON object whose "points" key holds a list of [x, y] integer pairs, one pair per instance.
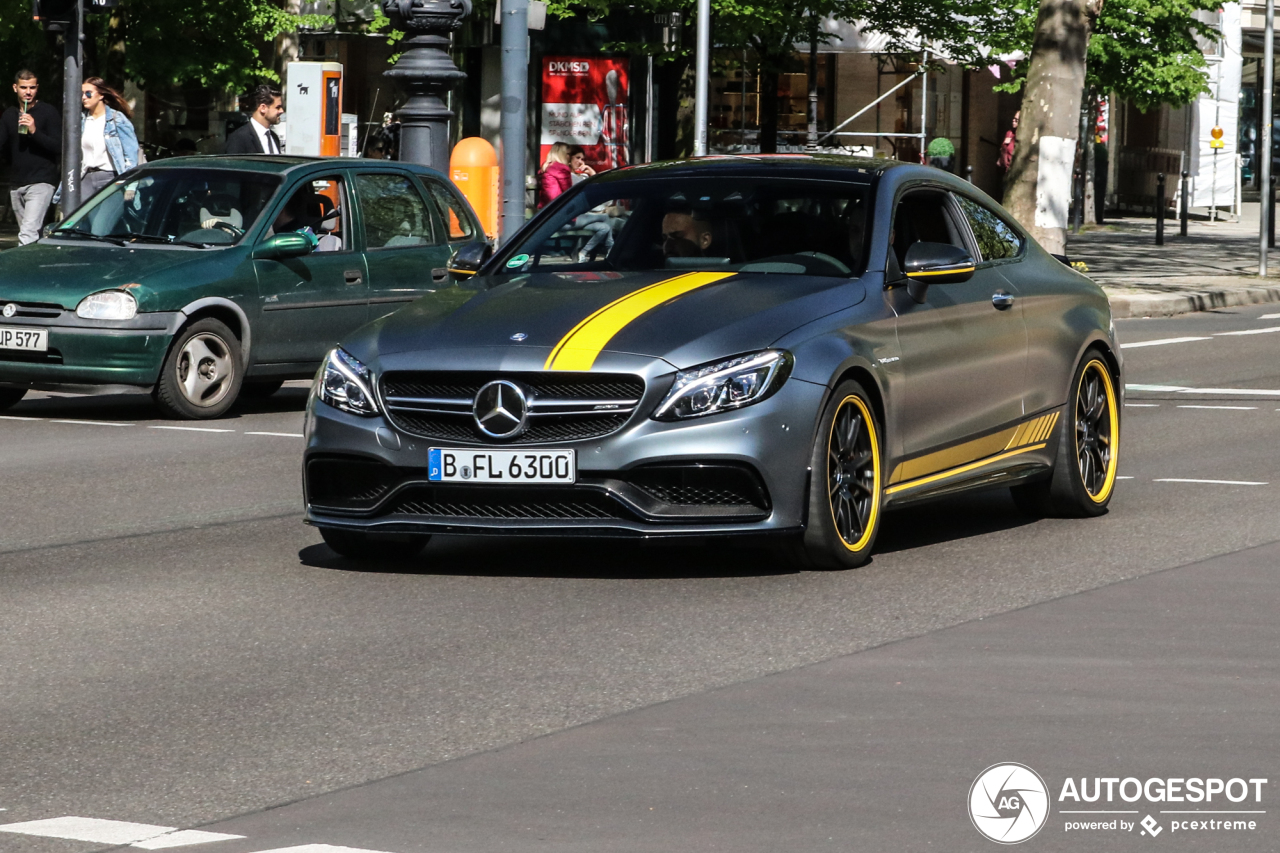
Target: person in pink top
{"points": [[555, 176]]}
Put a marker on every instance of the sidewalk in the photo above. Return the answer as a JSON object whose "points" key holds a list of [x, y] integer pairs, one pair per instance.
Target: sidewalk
{"points": [[1214, 266]]}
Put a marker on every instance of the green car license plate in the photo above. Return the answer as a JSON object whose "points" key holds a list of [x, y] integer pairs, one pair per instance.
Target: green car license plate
{"points": [[33, 340], [468, 465]]}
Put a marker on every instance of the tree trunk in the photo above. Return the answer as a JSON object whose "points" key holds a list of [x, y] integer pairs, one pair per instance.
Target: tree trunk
{"points": [[1090, 187], [1038, 186], [287, 43], [768, 106]]}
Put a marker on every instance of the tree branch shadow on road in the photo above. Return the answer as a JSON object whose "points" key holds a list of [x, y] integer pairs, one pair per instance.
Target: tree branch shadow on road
{"points": [[945, 520]]}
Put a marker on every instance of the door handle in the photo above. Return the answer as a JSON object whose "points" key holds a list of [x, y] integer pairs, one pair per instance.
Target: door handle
{"points": [[439, 274], [353, 277], [1002, 300]]}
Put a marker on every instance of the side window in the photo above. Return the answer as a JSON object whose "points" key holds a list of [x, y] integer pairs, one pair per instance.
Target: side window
{"points": [[996, 238], [923, 216], [318, 206], [394, 214], [451, 210]]}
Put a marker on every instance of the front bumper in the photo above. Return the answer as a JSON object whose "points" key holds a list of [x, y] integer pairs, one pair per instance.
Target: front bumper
{"points": [[83, 352], [744, 471]]}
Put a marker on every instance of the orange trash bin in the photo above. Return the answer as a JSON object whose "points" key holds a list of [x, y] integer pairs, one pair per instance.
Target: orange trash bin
{"points": [[473, 166]]}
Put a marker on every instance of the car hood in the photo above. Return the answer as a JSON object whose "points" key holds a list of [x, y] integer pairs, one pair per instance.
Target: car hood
{"points": [[64, 272], [683, 318]]}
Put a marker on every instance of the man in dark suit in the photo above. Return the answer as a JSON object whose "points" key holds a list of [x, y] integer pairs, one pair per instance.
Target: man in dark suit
{"points": [[257, 135]]}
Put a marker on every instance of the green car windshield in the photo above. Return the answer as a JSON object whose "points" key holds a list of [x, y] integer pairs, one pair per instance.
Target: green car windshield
{"points": [[203, 208], [764, 225]]}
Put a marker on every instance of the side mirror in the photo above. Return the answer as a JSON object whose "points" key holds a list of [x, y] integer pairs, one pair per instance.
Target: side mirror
{"points": [[468, 259], [935, 263], [281, 246]]}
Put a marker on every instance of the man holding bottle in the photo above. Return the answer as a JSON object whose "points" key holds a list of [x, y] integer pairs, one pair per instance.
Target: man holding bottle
{"points": [[31, 137]]}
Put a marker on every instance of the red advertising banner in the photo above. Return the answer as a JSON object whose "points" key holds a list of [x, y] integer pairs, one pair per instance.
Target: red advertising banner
{"points": [[584, 102]]}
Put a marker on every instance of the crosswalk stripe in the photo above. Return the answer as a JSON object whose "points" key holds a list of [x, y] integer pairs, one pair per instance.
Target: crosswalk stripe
{"points": [[319, 848], [142, 835]]}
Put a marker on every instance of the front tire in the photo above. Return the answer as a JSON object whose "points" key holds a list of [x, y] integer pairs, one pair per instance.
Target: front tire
{"points": [[1084, 471], [845, 483], [202, 373], [357, 545], [10, 397]]}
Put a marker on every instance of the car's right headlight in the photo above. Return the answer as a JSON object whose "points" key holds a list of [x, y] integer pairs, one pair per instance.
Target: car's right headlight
{"points": [[108, 305], [724, 385], [347, 384]]}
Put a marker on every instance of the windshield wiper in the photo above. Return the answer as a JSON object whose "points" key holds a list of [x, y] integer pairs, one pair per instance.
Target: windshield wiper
{"points": [[166, 240], [105, 238]]}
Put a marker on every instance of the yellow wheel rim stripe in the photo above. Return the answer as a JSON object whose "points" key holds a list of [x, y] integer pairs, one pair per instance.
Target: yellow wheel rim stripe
{"points": [[578, 349], [1114, 419], [875, 466]]}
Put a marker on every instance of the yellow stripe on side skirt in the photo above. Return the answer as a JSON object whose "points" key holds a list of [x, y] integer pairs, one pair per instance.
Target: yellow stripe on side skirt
{"points": [[578, 349]]}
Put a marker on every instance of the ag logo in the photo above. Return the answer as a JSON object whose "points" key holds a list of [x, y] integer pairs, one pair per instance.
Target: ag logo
{"points": [[1008, 803]]}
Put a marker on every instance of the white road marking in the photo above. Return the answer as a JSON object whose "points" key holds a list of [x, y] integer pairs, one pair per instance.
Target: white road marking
{"points": [[1270, 317], [1233, 408], [1249, 332], [1162, 342], [92, 423], [281, 434], [1183, 389], [182, 838], [143, 835], [192, 429], [1214, 482], [319, 848], [1124, 478], [1142, 405], [19, 418]]}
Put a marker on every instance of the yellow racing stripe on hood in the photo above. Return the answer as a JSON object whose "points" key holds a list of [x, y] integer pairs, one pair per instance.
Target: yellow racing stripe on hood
{"points": [[578, 349]]}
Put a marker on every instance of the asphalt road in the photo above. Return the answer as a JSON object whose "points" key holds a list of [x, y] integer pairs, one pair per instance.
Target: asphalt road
{"points": [[178, 650]]}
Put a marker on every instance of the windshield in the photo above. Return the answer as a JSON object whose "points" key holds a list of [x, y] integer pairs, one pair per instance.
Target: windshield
{"points": [[768, 225], [196, 207]]}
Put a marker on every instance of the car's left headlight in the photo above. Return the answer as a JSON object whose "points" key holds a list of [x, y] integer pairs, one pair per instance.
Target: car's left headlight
{"points": [[347, 384], [108, 305], [723, 385]]}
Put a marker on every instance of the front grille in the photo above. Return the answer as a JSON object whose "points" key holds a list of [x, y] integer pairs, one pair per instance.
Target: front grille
{"points": [[562, 407], [51, 356], [497, 504], [704, 485], [46, 310]]}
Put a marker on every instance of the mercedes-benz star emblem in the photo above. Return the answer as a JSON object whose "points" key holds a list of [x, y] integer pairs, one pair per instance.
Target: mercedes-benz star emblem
{"points": [[501, 409], [519, 336], [11, 309]]}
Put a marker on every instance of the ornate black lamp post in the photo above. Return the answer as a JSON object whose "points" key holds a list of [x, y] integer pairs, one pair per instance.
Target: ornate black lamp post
{"points": [[428, 72]]}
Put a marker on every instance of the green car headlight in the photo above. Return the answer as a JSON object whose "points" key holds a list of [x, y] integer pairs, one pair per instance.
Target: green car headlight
{"points": [[108, 305], [724, 385], [347, 384]]}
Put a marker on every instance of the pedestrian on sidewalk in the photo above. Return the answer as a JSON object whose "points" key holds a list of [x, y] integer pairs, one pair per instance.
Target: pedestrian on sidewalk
{"points": [[1009, 144], [602, 220], [31, 137], [555, 176], [258, 136], [108, 142]]}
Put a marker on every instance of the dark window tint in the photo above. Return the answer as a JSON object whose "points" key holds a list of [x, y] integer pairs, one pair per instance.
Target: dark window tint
{"points": [[451, 210], [923, 216], [996, 238], [394, 214]]}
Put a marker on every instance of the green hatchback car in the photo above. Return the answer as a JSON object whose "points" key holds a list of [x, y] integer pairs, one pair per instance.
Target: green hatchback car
{"points": [[210, 278]]}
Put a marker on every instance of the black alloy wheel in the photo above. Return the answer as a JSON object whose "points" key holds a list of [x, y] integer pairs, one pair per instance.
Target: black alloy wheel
{"points": [[1095, 408]]}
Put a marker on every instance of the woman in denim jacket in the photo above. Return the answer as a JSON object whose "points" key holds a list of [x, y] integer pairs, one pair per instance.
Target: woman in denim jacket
{"points": [[108, 143]]}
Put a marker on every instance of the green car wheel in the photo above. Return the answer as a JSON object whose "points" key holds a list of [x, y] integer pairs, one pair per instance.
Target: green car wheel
{"points": [[202, 374]]}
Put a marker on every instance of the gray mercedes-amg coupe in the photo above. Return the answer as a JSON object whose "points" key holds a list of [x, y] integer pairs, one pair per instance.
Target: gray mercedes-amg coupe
{"points": [[782, 347]]}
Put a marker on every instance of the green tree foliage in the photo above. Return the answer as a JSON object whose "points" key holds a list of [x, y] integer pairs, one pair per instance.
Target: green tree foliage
{"points": [[1145, 51]]}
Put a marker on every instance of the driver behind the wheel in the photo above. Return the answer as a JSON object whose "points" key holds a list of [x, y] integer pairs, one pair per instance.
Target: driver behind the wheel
{"points": [[684, 235]]}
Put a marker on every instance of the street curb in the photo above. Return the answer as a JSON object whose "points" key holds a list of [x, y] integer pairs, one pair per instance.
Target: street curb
{"points": [[1124, 305]]}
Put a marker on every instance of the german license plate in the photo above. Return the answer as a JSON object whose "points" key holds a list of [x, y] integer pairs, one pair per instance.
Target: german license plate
{"points": [[455, 465], [35, 340]]}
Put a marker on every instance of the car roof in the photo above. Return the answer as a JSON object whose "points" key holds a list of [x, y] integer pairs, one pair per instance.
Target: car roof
{"points": [[830, 166], [280, 164]]}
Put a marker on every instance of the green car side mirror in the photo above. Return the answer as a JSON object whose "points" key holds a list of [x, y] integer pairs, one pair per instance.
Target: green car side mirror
{"points": [[935, 263], [281, 246]]}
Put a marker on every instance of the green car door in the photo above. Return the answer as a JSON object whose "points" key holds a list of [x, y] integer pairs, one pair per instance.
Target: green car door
{"points": [[310, 302], [407, 248]]}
